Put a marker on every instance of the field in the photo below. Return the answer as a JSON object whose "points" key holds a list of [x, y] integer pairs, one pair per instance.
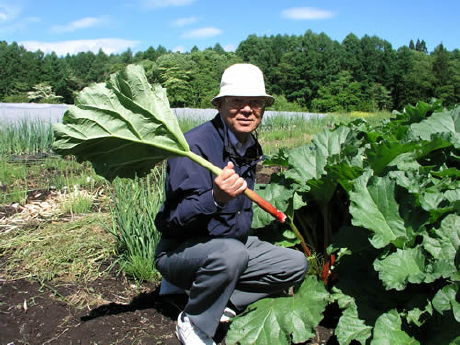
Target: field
{"points": [[63, 280], [76, 251]]}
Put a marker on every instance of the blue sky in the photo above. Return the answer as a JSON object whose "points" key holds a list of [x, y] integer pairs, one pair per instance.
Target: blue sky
{"points": [[114, 26]]}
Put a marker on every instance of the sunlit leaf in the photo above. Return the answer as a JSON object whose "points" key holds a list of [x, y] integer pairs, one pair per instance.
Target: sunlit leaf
{"points": [[278, 320]]}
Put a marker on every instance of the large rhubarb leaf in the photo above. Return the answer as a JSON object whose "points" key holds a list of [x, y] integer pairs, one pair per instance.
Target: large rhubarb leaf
{"points": [[278, 320], [387, 331], [445, 299], [124, 127], [374, 207], [308, 161], [350, 327], [382, 154], [442, 122], [443, 244], [402, 267]]}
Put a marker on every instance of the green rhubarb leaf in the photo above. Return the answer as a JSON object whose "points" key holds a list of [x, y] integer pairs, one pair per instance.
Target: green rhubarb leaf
{"points": [[278, 159], [350, 327], [385, 153], [123, 127], [308, 161], [445, 299], [442, 122], [344, 174], [418, 316], [278, 320], [402, 267], [443, 243], [387, 331], [280, 196], [373, 206]]}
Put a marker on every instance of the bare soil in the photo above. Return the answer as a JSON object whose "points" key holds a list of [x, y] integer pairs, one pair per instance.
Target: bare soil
{"points": [[34, 313]]}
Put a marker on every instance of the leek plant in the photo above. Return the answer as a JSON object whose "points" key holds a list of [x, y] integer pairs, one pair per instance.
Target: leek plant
{"points": [[26, 137], [135, 203]]}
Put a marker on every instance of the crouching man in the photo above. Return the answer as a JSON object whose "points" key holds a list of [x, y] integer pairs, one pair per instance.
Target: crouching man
{"points": [[205, 221]]}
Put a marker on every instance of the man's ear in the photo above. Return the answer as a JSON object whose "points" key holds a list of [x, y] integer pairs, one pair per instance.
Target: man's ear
{"points": [[219, 102]]}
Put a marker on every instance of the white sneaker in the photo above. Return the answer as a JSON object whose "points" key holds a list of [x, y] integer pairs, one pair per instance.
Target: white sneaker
{"points": [[227, 315], [189, 334]]}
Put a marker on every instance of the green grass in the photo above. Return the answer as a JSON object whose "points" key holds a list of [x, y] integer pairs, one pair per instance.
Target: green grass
{"points": [[13, 179]]}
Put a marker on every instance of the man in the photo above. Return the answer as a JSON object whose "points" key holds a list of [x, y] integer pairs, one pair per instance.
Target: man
{"points": [[205, 221]]}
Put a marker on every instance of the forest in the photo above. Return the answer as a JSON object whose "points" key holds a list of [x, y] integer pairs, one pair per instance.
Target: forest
{"points": [[309, 72]]}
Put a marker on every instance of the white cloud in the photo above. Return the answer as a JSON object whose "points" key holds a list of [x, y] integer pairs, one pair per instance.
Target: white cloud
{"points": [[179, 49], [83, 23], [108, 45], [17, 25], [229, 47], [8, 13], [166, 3], [301, 13], [180, 22], [202, 33]]}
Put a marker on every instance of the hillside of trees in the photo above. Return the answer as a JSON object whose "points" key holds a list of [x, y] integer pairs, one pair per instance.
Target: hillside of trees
{"points": [[305, 72]]}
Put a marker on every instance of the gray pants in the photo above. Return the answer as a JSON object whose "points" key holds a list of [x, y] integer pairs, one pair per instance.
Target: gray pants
{"points": [[219, 270]]}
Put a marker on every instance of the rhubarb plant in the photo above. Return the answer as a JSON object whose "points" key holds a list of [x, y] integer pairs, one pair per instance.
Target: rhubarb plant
{"points": [[385, 200]]}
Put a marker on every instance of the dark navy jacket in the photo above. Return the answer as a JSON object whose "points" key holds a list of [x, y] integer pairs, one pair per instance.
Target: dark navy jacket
{"points": [[189, 209]]}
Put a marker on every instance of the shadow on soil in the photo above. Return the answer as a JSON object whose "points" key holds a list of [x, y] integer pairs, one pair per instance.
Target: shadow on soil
{"points": [[169, 306]]}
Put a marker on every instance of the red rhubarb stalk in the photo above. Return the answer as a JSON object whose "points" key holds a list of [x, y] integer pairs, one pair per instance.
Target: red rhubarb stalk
{"points": [[265, 205]]}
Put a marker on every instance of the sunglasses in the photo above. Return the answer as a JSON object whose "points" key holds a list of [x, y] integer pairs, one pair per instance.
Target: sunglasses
{"points": [[238, 103]]}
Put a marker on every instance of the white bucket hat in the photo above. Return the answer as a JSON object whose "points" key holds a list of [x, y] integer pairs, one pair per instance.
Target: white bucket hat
{"points": [[244, 80]]}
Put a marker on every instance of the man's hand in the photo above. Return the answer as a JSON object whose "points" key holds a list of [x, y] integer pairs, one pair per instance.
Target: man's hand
{"points": [[228, 185]]}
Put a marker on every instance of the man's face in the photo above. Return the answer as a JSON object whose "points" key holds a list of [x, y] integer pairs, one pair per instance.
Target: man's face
{"points": [[242, 114]]}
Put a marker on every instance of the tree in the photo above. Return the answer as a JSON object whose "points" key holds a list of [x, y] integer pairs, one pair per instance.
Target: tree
{"points": [[80, 64], [175, 75], [267, 53], [312, 63], [446, 75], [420, 46], [208, 67], [98, 70], [415, 80], [378, 59], [218, 48], [127, 57], [411, 45], [43, 93], [379, 98], [351, 57], [342, 94]]}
